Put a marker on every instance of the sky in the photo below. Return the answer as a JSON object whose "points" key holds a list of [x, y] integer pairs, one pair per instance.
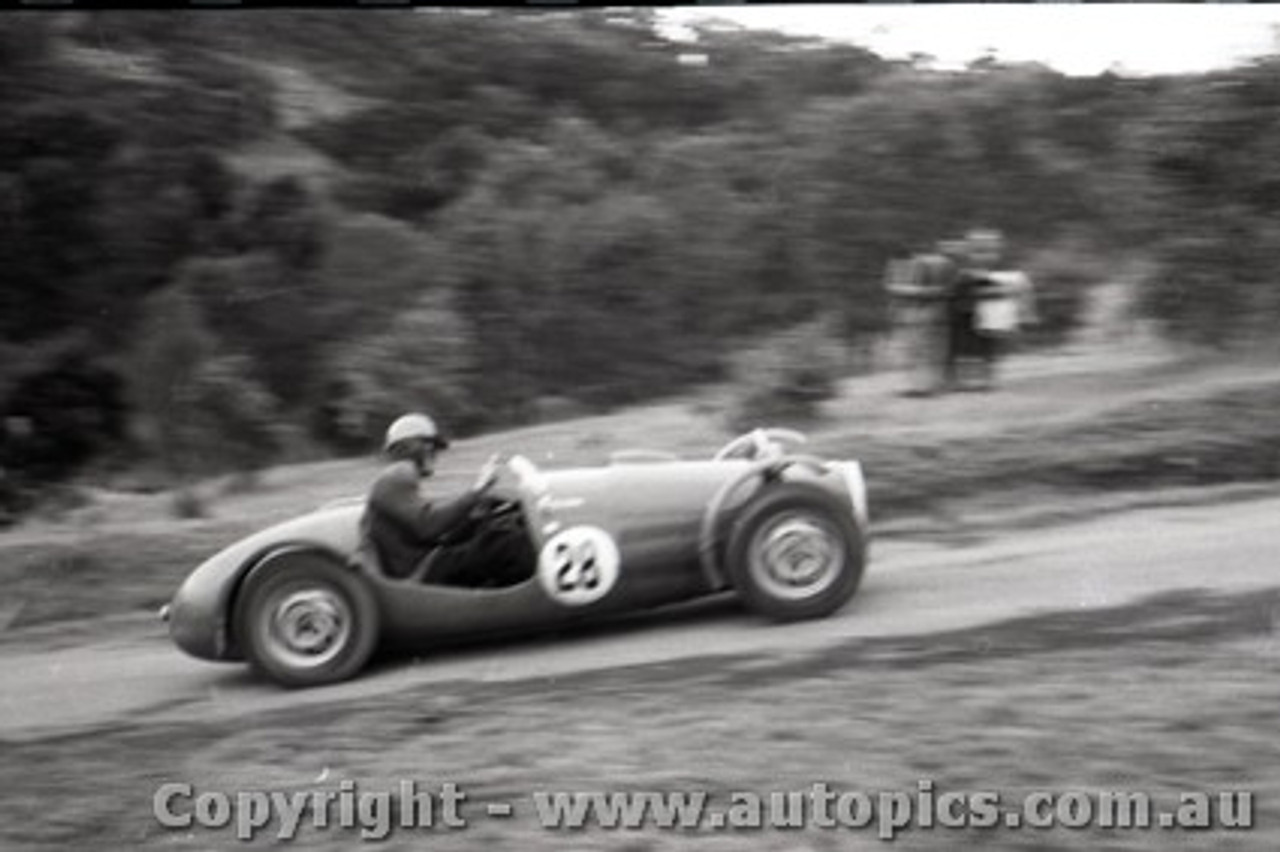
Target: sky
{"points": [[1074, 38]]}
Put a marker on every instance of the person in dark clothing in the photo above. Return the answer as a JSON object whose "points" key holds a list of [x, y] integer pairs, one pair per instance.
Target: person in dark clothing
{"points": [[965, 343], [961, 341], [968, 340], [461, 541]]}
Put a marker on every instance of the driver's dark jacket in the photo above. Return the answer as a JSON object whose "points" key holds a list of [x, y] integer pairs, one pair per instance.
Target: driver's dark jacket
{"points": [[402, 526]]}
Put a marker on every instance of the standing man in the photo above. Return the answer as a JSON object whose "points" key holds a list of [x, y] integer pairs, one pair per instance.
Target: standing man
{"points": [[985, 309], [919, 286]]}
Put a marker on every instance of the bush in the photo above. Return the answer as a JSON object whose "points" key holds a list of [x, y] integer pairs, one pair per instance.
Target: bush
{"points": [[59, 501], [16, 498], [200, 411], [240, 429], [784, 379], [187, 505], [1215, 289], [58, 417], [423, 361]]}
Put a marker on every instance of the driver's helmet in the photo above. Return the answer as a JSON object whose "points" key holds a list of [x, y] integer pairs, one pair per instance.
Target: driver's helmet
{"points": [[411, 426]]}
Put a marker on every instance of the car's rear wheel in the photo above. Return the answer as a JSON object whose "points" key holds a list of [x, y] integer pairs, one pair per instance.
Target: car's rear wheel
{"points": [[796, 552], [301, 619]]}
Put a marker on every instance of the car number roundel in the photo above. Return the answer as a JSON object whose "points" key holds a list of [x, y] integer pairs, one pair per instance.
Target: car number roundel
{"points": [[579, 565]]}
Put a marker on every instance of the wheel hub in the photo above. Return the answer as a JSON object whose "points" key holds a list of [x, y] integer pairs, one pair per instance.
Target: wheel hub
{"points": [[797, 556], [309, 627]]}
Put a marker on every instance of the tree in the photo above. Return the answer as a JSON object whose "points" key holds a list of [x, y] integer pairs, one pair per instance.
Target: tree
{"points": [[174, 344], [285, 218], [1213, 199], [372, 268], [202, 411], [423, 360], [57, 417], [239, 426]]}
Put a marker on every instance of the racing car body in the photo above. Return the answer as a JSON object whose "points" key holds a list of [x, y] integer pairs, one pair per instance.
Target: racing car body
{"points": [[305, 604]]}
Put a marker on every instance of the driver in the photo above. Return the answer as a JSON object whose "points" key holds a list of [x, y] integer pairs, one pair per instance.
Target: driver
{"points": [[404, 527]]}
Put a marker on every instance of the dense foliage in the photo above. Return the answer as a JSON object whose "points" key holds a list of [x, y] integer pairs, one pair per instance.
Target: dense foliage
{"points": [[275, 229]]}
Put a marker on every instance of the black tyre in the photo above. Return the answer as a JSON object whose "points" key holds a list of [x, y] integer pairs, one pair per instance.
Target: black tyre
{"points": [[796, 552], [301, 619]]}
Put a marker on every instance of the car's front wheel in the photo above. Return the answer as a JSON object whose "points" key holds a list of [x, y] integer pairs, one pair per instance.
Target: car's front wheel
{"points": [[796, 552], [301, 619]]}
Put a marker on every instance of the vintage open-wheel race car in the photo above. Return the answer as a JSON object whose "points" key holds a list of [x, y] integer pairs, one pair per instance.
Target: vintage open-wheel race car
{"points": [[305, 604]]}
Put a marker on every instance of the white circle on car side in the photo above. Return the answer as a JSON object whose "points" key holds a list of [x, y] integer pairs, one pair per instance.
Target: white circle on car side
{"points": [[579, 565]]}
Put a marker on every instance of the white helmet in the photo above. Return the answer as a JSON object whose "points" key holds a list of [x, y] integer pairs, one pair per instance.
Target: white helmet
{"points": [[412, 426]]}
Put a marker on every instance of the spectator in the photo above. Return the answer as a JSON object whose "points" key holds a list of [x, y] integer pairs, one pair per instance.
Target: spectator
{"points": [[919, 286], [988, 309]]}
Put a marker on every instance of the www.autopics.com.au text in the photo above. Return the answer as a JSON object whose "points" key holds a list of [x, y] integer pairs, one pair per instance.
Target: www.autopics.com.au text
{"points": [[377, 813]]}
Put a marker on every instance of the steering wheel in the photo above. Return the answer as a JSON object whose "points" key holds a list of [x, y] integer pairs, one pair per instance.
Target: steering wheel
{"points": [[760, 444], [493, 503]]}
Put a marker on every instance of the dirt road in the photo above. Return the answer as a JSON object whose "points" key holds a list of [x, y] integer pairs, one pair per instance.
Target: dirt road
{"points": [[132, 674]]}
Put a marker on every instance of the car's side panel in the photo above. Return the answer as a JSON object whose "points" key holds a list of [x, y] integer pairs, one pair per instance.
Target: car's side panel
{"points": [[658, 508], [651, 511], [200, 611], [416, 614], [654, 510]]}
